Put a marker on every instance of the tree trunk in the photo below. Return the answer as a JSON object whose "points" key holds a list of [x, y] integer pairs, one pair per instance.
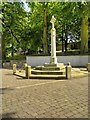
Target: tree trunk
{"points": [[84, 31], [12, 53], [1, 62], [89, 35], [62, 43], [4, 48], [45, 43], [66, 39]]}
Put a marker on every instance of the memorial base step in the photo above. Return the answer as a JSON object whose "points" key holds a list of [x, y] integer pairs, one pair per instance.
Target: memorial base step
{"points": [[41, 72]]}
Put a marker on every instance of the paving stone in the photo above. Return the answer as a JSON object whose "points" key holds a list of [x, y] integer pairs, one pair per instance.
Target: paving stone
{"points": [[57, 99]]}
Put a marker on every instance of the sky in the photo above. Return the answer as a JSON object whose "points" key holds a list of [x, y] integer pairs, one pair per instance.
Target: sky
{"points": [[27, 9]]}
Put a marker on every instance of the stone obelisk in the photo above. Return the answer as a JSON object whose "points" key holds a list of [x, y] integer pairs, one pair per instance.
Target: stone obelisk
{"points": [[53, 42]]}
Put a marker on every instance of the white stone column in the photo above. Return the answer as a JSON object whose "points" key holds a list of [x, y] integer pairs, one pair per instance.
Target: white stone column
{"points": [[53, 42]]}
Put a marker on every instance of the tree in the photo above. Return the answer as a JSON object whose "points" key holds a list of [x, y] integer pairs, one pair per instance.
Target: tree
{"points": [[31, 30], [45, 42], [13, 24], [84, 28]]}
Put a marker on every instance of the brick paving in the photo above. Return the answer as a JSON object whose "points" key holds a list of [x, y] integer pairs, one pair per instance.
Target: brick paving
{"points": [[30, 98]]}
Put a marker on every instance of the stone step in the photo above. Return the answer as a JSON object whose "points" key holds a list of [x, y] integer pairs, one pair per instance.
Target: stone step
{"points": [[33, 76], [52, 68], [41, 72], [49, 68], [50, 65], [48, 77], [38, 67], [53, 65]]}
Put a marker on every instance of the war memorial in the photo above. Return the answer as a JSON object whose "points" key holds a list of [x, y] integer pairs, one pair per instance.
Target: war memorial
{"points": [[49, 90], [53, 69]]}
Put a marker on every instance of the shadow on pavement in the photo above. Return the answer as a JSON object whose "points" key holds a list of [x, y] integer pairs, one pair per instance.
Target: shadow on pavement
{"points": [[5, 90], [9, 74], [8, 115]]}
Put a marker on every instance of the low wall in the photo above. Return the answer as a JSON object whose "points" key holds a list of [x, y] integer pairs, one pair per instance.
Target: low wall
{"points": [[74, 60], [17, 62], [8, 64]]}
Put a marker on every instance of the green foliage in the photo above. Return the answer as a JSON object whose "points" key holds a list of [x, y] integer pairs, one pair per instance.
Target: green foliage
{"points": [[24, 30], [17, 57]]}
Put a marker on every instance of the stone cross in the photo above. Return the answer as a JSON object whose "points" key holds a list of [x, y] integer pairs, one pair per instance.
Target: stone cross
{"points": [[53, 21], [53, 42]]}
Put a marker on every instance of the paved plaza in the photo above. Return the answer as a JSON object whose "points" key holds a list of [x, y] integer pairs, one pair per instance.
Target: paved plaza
{"points": [[34, 98]]}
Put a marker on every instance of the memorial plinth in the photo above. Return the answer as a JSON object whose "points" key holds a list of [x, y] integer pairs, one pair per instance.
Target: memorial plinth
{"points": [[52, 68]]}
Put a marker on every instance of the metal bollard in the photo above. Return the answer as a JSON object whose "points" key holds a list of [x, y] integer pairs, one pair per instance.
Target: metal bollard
{"points": [[68, 72], [28, 71], [14, 69]]}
